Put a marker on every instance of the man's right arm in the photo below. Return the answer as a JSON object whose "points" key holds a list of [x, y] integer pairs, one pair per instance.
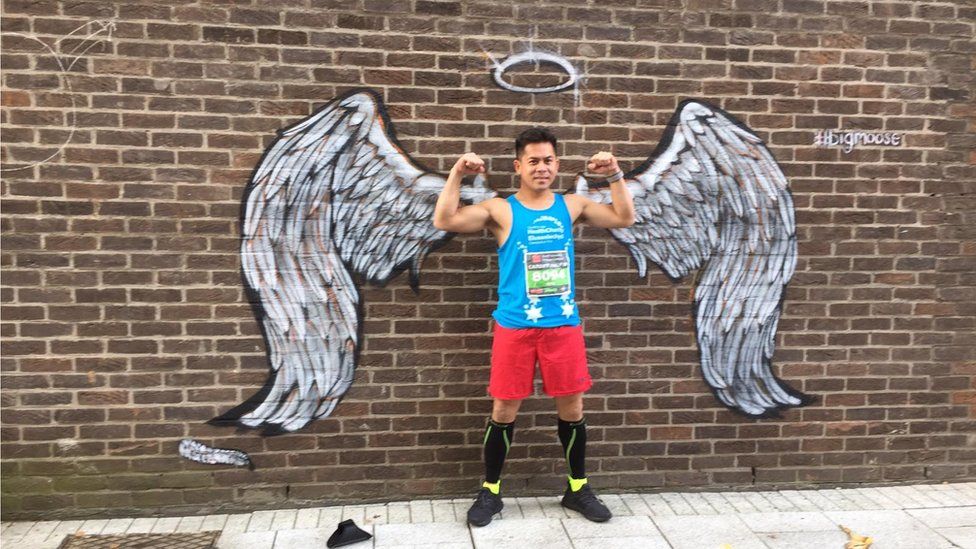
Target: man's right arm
{"points": [[448, 215]]}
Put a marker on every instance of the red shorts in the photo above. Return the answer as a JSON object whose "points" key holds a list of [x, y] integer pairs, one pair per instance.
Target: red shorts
{"points": [[561, 355]]}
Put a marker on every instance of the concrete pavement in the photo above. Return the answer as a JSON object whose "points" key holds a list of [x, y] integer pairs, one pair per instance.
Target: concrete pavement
{"points": [[930, 516]]}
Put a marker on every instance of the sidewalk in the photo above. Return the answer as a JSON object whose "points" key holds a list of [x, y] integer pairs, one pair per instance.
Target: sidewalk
{"points": [[910, 517]]}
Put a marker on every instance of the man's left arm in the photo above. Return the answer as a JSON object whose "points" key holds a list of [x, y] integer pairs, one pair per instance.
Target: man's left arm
{"points": [[620, 212]]}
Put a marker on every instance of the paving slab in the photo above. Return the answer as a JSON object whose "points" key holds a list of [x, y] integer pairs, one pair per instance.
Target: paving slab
{"points": [[376, 514], [965, 492], [796, 498], [186, 524], [332, 516], [914, 497], [142, 525], [880, 498], [678, 504], [66, 527], [37, 542], [792, 521], [44, 528], [421, 511], [806, 540], [444, 511], [699, 504], [946, 517], [213, 522], [928, 494], [954, 498], [780, 502], [890, 529], [235, 523], [740, 502], [615, 503], [165, 525], [284, 519], [636, 504], [840, 501], [246, 540], [964, 537], [467, 545], [461, 508], [96, 526], [521, 534], [719, 503], [696, 532], [354, 512], [622, 543], [18, 530], [511, 509], [307, 518], [875, 520], [617, 527], [306, 538], [530, 508], [386, 535], [260, 521], [552, 508], [658, 505], [759, 501]]}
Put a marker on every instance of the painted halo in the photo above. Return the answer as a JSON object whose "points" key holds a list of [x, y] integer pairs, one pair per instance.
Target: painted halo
{"points": [[535, 57]]}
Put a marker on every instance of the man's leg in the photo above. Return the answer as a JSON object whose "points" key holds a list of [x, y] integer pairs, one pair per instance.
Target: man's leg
{"points": [[513, 359], [572, 434], [498, 440], [504, 411]]}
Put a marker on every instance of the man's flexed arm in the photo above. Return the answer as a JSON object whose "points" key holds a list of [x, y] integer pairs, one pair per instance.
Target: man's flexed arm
{"points": [[447, 214], [620, 212]]}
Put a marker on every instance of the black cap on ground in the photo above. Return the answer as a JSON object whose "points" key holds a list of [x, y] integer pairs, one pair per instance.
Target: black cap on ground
{"points": [[346, 534]]}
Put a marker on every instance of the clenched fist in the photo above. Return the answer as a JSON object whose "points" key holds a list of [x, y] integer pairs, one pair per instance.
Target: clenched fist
{"points": [[469, 164], [603, 163]]}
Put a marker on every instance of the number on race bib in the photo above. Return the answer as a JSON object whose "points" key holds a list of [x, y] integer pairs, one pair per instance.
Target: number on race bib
{"points": [[547, 273]]}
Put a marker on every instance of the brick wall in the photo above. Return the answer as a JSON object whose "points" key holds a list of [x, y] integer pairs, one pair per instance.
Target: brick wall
{"points": [[125, 325]]}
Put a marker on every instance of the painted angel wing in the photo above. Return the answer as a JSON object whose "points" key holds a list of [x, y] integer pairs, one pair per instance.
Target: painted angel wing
{"points": [[711, 197], [333, 195]]}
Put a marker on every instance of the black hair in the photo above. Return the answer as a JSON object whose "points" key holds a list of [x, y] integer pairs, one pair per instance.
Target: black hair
{"points": [[533, 135]]}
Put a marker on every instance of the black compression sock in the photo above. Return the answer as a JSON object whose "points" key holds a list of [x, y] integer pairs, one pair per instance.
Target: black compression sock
{"points": [[498, 439], [573, 436]]}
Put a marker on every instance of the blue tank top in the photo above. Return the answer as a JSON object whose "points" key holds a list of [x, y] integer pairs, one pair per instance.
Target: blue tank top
{"points": [[536, 287]]}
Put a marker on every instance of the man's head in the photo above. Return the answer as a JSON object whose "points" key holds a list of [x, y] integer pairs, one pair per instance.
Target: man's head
{"points": [[535, 158]]}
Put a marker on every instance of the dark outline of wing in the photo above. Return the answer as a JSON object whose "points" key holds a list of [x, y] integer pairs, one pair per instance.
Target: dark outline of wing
{"points": [[233, 416], [675, 274]]}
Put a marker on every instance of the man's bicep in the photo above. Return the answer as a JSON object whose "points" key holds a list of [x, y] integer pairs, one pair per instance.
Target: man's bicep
{"points": [[600, 215], [469, 219]]}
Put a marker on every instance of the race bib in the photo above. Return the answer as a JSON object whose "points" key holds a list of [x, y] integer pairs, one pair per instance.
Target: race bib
{"points": [[547, 273]]}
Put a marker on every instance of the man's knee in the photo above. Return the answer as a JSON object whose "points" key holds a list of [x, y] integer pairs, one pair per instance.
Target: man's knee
{"points": [[570, 407], [504, 411]]}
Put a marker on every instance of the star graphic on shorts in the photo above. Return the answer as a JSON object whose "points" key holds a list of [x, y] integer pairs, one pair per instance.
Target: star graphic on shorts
{"points": [[533, 313], [568, 308]]}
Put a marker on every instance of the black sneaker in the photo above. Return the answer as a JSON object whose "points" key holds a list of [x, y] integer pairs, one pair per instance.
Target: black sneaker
{"points": [[585, 502], [484, 508]]}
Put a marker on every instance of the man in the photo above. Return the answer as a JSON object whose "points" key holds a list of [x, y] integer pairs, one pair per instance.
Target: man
{"points": [[536, 320]]}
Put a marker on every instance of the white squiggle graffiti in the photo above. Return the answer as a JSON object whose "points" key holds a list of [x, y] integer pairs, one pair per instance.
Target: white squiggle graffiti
{"points": [[201, 453], [65, 63]]}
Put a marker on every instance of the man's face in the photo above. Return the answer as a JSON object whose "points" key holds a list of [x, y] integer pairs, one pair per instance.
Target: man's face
{"points": [[537, 166]]}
